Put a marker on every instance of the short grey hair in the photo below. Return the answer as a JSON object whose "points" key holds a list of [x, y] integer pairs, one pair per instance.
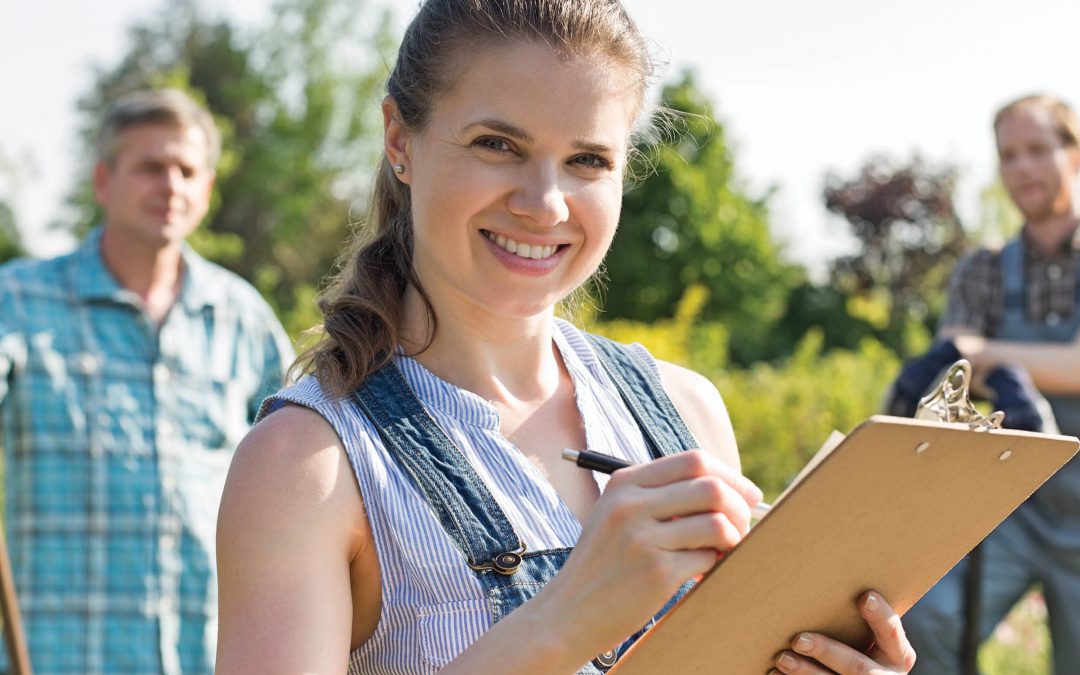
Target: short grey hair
{"points": [[155, 106]]}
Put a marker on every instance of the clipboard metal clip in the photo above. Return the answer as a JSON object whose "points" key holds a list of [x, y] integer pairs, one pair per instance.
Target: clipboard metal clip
{"points": [[950, 401]]}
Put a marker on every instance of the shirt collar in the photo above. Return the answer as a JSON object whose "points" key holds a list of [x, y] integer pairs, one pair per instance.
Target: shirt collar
{"points": [[93, 280], [1065, 250]]}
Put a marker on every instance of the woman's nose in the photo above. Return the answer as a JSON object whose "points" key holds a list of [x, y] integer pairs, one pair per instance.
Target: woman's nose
{"points": [[541, 198]]}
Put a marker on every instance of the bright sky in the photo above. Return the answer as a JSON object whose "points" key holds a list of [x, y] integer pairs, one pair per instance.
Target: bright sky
{"points": [[802, 87]]}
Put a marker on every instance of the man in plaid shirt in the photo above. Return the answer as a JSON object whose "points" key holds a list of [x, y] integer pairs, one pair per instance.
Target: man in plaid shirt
{"points": [[1015, 314], [129, 371]]}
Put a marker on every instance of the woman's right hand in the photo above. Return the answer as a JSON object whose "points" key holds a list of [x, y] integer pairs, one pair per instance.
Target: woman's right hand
{"points": [[656, 526]]}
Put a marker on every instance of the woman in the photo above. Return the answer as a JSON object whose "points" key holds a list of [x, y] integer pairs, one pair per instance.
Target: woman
{"points": [[398, 507]]}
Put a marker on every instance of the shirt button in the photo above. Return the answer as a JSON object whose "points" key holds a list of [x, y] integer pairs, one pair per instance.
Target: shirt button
{"points": [[87, 364], [1053, 271], [162, 374], [1052, 319]]}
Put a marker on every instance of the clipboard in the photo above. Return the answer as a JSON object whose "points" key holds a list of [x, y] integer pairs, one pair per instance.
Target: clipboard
{"points": [[891, 508]]}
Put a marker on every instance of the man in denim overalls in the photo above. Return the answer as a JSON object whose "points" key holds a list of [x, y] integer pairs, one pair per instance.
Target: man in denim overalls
{"points": [[1004, 306]]}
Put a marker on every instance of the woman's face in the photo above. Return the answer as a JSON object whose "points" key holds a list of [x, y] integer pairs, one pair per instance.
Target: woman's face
{"points": [[517, 179]]}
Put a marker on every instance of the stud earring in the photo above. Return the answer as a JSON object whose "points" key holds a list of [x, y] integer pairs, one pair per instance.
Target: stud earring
{"points": [[399, 169]]}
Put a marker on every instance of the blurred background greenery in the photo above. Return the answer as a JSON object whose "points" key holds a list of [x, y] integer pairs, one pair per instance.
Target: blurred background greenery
{"points": [[696, 274]]}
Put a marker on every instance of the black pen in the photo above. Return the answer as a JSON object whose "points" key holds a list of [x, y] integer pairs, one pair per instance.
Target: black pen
{"points": [[598, 461], [595, 461]]}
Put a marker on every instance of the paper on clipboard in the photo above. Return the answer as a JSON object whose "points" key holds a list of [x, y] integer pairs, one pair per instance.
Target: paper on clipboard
{"points": [[892, 507]]}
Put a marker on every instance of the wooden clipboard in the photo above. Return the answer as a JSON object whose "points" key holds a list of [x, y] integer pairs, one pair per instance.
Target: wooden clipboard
{"points": [[891, 508]]}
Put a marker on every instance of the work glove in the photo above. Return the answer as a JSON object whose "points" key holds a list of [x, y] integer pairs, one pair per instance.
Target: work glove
{"points": [[1016, 396]]}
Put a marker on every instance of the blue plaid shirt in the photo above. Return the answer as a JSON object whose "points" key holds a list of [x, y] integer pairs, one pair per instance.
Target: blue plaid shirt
{"points": [[117, 437]]}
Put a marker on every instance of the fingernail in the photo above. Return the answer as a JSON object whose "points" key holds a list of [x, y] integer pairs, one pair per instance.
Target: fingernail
{"points": [[871, 602], [786, 661], [804, 644], [752, 492]]}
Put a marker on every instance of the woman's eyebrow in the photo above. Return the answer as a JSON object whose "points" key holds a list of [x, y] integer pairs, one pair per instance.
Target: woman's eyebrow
{"points": [[503, 128]]}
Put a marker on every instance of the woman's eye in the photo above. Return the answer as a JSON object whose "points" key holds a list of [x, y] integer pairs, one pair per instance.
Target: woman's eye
{"points": [[494, 144], [593, 161]]}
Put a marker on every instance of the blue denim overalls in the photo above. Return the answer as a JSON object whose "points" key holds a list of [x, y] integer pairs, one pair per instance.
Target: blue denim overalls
{"points": [[465, 507], [1039, 542]]}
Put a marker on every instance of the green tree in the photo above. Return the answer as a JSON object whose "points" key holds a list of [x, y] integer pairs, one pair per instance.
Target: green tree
{"points": [[690, 222], [297, 103], [11, 245], [999, 219], [10, 241], [909, 238]]}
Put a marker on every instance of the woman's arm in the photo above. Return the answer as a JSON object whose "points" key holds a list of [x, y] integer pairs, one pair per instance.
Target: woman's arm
{"points": [[703, 411], [291, 522]]}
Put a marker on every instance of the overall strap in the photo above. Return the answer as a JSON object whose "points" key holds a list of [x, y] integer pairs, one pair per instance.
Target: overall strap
{"points": [[663, 428], [1013, 281], [463, 504]]}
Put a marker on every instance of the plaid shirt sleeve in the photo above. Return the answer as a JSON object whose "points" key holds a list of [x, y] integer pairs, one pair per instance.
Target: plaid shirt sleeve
{"points": [[12, 341], [7, 340], [973, 290], [278, 355]]}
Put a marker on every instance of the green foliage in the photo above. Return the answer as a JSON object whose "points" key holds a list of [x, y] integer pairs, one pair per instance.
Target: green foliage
{"points": [[297, 103], [691, 223], [909, 237], [10, 240], [999, 219], [682, 339], [782, 414]]}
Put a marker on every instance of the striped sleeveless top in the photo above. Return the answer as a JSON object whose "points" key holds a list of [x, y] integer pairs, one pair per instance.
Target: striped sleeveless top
{"points": [[433, 605]]}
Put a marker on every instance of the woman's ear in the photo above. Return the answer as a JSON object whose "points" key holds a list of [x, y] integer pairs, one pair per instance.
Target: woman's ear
{"points": [[397, 140]]}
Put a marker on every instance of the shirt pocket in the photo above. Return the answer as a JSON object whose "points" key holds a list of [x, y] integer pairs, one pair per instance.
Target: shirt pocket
{"points": [[212, 412], [447, 629]]}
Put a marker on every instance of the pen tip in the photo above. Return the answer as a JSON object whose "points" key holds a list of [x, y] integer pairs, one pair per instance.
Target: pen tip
{"points": [[569, 454]]}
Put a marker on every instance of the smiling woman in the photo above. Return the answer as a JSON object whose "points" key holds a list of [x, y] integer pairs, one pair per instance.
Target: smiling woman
{"points": [[403, 508]]}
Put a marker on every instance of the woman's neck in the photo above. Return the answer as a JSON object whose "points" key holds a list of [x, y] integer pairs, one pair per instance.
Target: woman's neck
{"points": [[498, 358]]}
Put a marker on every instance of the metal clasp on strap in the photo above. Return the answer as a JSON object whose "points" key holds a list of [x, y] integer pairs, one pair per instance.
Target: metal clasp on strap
{"points": [[505, 563], [950, 401], [606, 660]]}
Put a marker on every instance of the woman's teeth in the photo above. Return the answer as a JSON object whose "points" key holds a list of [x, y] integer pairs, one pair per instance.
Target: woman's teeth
{"points": [[534, 252]]}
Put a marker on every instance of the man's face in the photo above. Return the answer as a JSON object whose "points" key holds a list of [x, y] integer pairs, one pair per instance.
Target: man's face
{"points": [[1038, 171], [158, 189]]}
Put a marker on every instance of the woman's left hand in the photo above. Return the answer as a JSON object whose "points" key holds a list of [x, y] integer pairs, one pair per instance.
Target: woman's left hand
{"points": [[813, 653]]}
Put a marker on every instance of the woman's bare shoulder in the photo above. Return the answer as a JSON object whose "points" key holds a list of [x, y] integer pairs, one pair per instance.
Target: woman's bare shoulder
{"points": [[702, 409], [289, 468]]}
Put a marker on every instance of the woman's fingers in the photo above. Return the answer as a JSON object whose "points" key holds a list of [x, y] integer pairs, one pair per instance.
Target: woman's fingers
{"points": [[678, 487], [685, 466], [811, 649], [892, 655], [708, 494], [789, 663], [889, 635], [702, 531]]}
